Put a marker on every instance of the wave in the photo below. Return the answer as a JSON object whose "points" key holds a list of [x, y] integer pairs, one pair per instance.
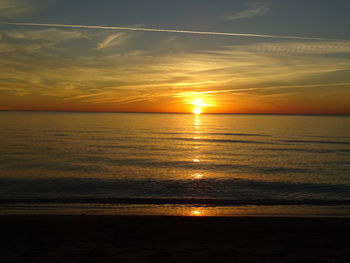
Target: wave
{"points": [[151, 163], [224, 189], [318, 151], [214, 133], [174, 201], [316, 142], [220, 140], [97, 164]]}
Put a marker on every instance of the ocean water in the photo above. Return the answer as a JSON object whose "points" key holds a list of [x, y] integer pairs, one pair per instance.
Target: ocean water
{"points": [[122, 162]]}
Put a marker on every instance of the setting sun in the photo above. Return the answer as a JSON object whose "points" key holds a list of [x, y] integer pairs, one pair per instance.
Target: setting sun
{"points": [[199, 103], [196, 213], [197, 111]]}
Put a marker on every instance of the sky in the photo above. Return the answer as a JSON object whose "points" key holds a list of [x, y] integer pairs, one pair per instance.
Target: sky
{"points": [[219, 56]]}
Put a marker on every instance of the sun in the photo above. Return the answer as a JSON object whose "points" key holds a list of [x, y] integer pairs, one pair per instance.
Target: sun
{"points": [[197, 111], [196, 213], [199, 105]]}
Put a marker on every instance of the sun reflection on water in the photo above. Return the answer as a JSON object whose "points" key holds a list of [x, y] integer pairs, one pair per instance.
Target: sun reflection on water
{"points": [[196, 121]]}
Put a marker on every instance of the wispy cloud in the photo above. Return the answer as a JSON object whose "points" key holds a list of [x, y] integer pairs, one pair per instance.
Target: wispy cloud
{"points": [[283, 87], [14, 8], [171, 31], [112, 41], [9, 8], [34, 40], [252, 10], [128, 78], [300, 47], [108, 78]]}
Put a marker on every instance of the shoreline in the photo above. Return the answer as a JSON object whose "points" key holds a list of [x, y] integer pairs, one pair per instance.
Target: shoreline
{"points": [[101, 238]]}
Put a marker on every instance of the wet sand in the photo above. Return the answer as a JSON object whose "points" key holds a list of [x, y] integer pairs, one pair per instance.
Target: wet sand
{"points": [[173, 239]]}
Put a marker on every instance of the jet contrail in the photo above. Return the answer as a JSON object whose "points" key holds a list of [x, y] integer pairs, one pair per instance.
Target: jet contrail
{"points": [[173, 31]]}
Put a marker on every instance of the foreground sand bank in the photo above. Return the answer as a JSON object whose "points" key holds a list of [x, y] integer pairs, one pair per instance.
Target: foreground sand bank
{"points": [[173, 239]]}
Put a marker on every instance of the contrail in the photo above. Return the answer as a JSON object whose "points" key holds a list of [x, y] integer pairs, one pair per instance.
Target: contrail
{"points": [[173, 31]]}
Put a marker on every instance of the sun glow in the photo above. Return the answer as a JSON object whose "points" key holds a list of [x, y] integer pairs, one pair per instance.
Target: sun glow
{"points": [[197, 111], [199, 104], [196, 213], [198, 176]]}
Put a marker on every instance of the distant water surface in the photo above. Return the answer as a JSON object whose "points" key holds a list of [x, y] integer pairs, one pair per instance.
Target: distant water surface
{"points": [[168, 159]]}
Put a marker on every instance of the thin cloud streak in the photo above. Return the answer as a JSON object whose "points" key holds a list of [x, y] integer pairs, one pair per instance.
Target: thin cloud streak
{"points": [[254, 9], [112, 40], [172, 31], [272, 87]]}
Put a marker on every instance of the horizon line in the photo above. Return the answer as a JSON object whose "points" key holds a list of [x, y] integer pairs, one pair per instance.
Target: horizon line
{"points": [[155, 112]]}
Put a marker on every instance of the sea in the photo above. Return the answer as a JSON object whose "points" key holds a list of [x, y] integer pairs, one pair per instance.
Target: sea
{"points": [[174, 164]]}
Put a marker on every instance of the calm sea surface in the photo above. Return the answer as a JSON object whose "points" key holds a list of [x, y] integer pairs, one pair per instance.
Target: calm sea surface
{"points": [[112, 161]]}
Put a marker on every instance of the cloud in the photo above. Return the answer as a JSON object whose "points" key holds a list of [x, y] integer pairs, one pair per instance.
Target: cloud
{"points": [[171, 31], [301, 47], [243, 72], [28, 41], [9, 8], [283, 87], [253, 9], [129, 76], [15, 8], [111, 78], [48, 35], [112, 41]]}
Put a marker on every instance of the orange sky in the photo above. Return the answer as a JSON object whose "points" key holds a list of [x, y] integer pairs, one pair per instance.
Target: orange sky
{"points": [[62, 67]]}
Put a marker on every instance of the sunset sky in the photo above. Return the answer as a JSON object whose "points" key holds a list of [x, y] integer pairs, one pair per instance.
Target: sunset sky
{"points": [[222, 56]]}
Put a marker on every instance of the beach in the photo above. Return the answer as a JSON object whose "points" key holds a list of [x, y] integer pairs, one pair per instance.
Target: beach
{"points": [[87, 238]]}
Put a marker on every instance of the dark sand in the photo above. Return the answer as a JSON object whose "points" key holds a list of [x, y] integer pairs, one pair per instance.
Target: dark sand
{"points": [[173, 239]]}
